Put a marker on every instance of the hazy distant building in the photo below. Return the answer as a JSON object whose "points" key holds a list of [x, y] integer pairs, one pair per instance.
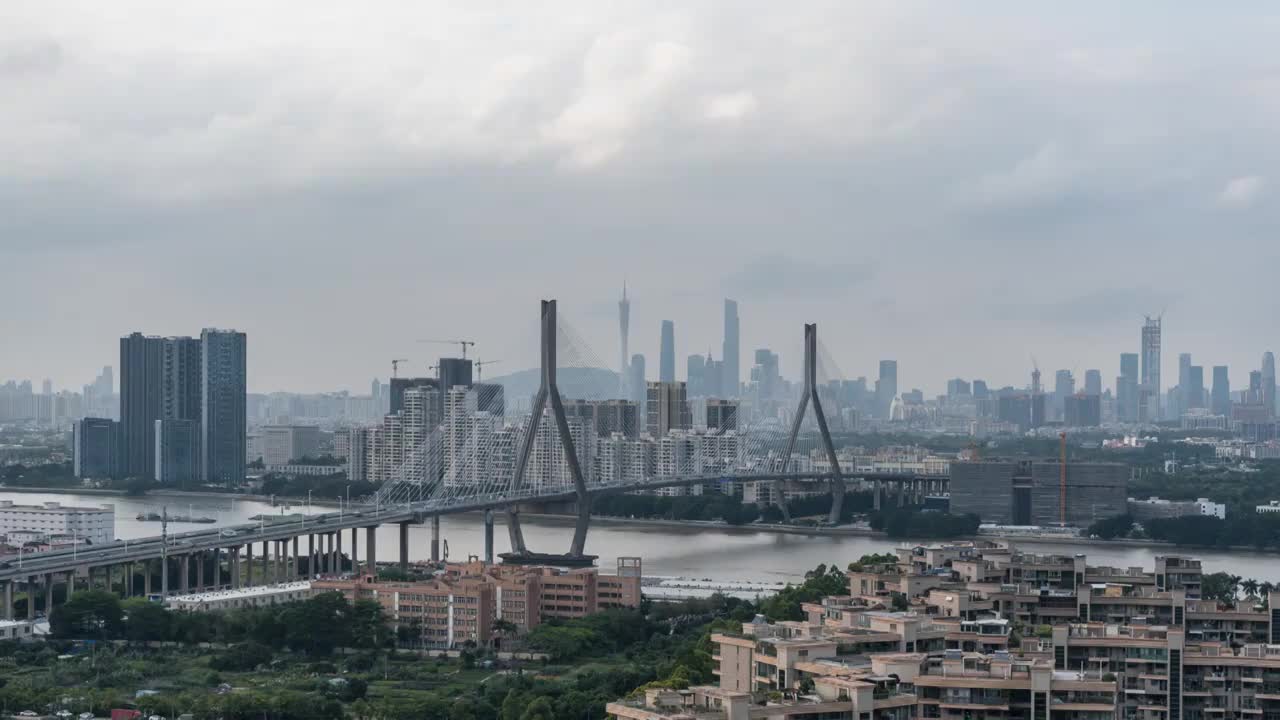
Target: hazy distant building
{"points": [[886, 388], [222, 426], [96, 448], [639, 388], [490, 398], [621, 417], [730, 354], [958, 387], [1221, 393], [1028, 492], [1093, 382], [1082, 410], [624, 332], [1026, 410], [282, 444], [695, 376], [1149, 384], [1127, 388], [1269, 382], [667, 408], [1193, 395], [667, 353]]}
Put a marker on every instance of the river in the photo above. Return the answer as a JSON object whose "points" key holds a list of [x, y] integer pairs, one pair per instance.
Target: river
{"points": [[700, 552]]}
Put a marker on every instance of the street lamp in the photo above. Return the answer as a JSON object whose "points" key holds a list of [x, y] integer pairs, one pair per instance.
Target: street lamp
{"points": [[308, 502]]}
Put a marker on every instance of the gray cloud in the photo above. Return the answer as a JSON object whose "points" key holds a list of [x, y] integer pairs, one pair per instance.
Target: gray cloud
{"points": [[915, 176]]}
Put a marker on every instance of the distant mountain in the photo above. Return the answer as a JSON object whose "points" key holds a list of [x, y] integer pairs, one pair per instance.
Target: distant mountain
{"points": [[575, 382]]}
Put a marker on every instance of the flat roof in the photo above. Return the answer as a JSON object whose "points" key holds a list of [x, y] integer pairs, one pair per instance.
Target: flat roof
{"points": [[255, 591]]}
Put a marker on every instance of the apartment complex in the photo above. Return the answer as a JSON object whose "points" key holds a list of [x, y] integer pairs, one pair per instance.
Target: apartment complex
{"points": [[462, 601], [989, 631], [94, 525]]}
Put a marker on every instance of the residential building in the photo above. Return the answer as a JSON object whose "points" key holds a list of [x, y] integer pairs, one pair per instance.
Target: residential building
{"points": [[667, 353], [668, 408], [141, 402], [96, 447], [721, 415], [283, 444], [177, 444], [222, 404]]}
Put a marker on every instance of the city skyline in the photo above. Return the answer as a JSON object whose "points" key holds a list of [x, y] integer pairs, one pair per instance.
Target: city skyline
{"points": [[919, 188]]}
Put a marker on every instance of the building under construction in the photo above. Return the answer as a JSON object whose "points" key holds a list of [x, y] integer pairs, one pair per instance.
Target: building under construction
{"points": [[1030, 492]]}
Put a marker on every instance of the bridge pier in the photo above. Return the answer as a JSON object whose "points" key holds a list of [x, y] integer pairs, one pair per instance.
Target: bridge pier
{"points": [[488, 537], [8, 599], [371, 548], [31, 597], [71, 583], [875, 495], [297, 567], [902, 493], [355, 551], [234, 562], [248, 564], [435, 538], [48, 594], [184, 580], [337, 552], [404, 546]]}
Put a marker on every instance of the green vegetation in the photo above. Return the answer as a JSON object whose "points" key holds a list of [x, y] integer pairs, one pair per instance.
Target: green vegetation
{"points": [[326, 658], [1251, 529], [52, 475], [913, 523], [818, 583], [1240, 491], [873, 559], [329, 487]]}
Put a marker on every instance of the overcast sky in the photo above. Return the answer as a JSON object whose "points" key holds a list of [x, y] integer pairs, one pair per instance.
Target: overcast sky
{"points": [[959, 186]]}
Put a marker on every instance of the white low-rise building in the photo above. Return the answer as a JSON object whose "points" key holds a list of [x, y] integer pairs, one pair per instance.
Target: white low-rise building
{"points": [[256, 596], [97, 525]]}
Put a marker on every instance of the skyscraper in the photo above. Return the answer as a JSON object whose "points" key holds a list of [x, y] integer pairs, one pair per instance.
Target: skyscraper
{"points": [[1064, 386], [141, 402], [730, 353], [222, 405], [1150, 381], [1092, 382], [637, 381], [1193, 395], [667, 408], [886, 388], [696, 377], [1221, 392], [624, 329], [1269, 383], [667, 357], [1127, 388], [180, 383], [1184, 383]]}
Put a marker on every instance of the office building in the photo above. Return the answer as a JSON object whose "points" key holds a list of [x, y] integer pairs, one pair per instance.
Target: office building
{"points": [[1184, 381], [1149, 383], [283, 444], [1064, 386], [94, 525], [141, 402], [667, 355], [222, 404], [722, 415], [958, 387], [730, 354], [1221, 393], [886, 388], [667, 408], [96, 448], [1027, 492], [177, 444]]}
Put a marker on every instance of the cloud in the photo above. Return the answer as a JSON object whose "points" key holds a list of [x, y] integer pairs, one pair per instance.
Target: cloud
{"points": [[1242, 192], [781, 277], [730, 106]]}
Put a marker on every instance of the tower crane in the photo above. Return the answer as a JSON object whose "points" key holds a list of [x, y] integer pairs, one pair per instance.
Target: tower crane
{"points": [[395, 366], [464, 343], [480, 367]]}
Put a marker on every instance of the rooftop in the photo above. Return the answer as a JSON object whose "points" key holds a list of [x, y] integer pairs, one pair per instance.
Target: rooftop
{"points": [[255, 591]]}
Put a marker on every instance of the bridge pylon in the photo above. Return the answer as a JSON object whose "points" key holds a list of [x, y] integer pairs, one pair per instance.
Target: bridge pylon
{"points": [[549, 392], [810, 395]]}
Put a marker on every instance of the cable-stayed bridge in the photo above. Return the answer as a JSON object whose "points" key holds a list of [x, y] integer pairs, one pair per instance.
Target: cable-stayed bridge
{"points": [[480, 460]]}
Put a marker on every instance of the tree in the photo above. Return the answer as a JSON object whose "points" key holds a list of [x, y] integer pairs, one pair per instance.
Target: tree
{"points": [[90, 614], [146, 620], [539, 709], [1219, 586], [1113, 527], [1250, 588]]}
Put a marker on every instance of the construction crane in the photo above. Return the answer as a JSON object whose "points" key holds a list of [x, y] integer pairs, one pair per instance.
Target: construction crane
{"points": [[480, 367], [395, 366], [464, 343]]}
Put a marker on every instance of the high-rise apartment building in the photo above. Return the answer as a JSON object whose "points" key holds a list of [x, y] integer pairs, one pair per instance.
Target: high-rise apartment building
{"points": [[696, 367], [177, 445], [667, 356], [400, 385], [222, 404], [96, 448], [1193, 394], [1221, 393], [722, 415], [1149, 384], [1184, 383], [636, 381], [667, 408], [730, 353], [181, 382], [1127, 388], [141, 402]]}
